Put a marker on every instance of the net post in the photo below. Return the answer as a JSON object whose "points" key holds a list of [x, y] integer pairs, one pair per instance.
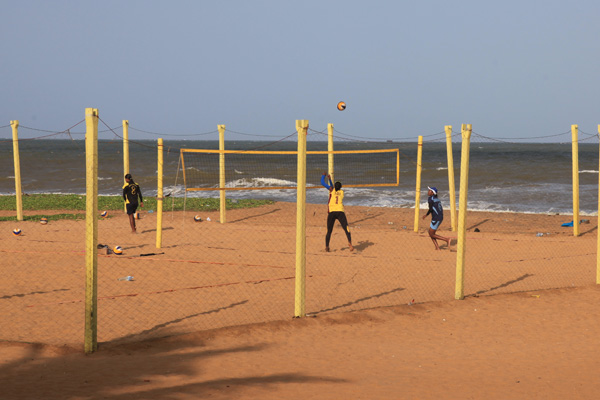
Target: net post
{"points": [[459, 288], [451, 184], [418, 185], [17, 163], [598, 221], [223, 204], [575, 151], [125, 155], [91, 231], [300, 279], [159, 195], [330, 148]]}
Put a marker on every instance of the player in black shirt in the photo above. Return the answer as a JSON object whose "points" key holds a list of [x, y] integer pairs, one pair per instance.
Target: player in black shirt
{"points": [[131, 191]]}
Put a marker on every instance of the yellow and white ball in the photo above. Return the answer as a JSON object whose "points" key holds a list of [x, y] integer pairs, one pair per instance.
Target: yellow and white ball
{"points": [[341, 106], [44, 221], [104, 214], [197, 218], [17, 232], [118, 250]]}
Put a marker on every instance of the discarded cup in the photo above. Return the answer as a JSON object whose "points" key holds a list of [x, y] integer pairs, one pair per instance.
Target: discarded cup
{"points": [[126, 278]]}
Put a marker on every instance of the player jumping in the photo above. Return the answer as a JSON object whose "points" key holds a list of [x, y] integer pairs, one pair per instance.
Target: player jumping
{"points": [[335, 210]]}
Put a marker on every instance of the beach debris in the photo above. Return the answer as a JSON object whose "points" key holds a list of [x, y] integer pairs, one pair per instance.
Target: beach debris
{"points": [[583, 221], [208, 219], [126, 278], [539, 234], [410, 303], [537, 296], [476, 230]]}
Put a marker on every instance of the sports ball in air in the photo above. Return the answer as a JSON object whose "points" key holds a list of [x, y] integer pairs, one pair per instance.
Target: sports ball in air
{"points": [[118, 250], [44, 221], [17, 232], [104, 214], [197, 218], [341, 106]]}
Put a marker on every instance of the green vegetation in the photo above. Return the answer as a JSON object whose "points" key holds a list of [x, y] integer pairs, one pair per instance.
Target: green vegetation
{"points": [[38, 202]]}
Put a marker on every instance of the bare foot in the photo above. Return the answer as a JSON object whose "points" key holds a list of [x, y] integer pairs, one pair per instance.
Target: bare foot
{"points": [[351, 247], [327, 249]]}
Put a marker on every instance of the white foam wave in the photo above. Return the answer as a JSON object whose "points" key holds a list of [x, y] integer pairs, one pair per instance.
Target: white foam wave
{"points": [[588, 171], [258, 182]]}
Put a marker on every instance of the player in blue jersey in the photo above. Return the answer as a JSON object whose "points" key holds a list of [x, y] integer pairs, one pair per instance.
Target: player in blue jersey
{"points": [[437, 216]]}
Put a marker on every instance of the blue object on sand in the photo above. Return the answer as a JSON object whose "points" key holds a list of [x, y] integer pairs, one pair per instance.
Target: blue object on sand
{"points": [[568, 224]]}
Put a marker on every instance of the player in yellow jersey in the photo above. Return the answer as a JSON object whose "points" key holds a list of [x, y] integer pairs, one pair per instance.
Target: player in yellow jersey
{"points": [[131, 192], [335, 210]]}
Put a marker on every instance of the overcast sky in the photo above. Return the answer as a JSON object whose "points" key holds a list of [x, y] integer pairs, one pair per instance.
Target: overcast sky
{"points": [[404, 68]]}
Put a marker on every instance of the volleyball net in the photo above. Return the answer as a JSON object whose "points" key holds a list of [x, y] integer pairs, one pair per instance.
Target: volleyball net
{"points": [[269, 170]]}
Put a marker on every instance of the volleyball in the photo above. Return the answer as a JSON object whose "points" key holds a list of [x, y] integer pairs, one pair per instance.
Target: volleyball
{"points": [[17, 232], [118, 250], [137, 215], [44, 221], [341, 106], [103, 214], [197, 218]]}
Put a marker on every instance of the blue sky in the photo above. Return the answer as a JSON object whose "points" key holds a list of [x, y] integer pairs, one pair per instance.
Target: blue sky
{"points": [[510, 68]]}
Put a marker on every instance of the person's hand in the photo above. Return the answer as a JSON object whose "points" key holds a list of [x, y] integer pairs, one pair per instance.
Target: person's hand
{"points": [[424, 216], [142, 204]]}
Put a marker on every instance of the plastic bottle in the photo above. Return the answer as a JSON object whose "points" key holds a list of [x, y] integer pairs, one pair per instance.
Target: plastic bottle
{"points": [[126, 278]]}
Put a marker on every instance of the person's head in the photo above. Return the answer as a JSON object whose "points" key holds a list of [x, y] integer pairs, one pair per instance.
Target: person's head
{"points": [[128, 178], [337, 185], [432, 191]]}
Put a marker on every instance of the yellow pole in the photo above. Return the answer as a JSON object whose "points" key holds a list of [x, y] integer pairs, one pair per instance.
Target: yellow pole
{"points": [[91, 231], [575, 146], [459, 289], [300, 292], [125, 154], [598, 229], [223, 204], [18, 190], [330, 149], [451, 184], [418, 188], [159, 196]]}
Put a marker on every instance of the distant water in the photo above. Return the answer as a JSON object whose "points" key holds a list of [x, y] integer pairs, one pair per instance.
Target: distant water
{"points": [[518, 177]]}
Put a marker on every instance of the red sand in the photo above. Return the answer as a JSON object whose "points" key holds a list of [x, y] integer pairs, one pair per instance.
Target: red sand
{"points": [[533, 343]]}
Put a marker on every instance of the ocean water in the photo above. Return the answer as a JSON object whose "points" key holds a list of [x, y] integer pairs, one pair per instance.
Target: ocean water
{"points": [[535, 178]]}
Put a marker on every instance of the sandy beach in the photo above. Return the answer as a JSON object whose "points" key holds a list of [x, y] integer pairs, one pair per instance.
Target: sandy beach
{"points": [[209, 314]]}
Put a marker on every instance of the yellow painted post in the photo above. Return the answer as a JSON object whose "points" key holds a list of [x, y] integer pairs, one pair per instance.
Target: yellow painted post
{"points": [[451, 185], [575, 147], [459, 289], [418, 188], [159, 196], [223, 204], [300, 292], [330, 148], [91, 231], [125, 154], [598, 229], [18, 190]]}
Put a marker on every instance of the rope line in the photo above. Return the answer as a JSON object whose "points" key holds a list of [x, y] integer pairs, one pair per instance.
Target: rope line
{"points": [[172, 134]]}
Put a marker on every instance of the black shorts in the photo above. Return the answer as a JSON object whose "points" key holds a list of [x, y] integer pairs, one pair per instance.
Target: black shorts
{"points": [[131, 207]]}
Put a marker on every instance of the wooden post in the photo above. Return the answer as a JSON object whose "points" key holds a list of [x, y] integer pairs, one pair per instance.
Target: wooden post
{"points": [[125, 154], [300, 282], [330, 149], [223, 203], [418, 186], [91, 231], [598, 224], [451, 184], [17, 162], [159, 195], [575, 149], [459, 290]]}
